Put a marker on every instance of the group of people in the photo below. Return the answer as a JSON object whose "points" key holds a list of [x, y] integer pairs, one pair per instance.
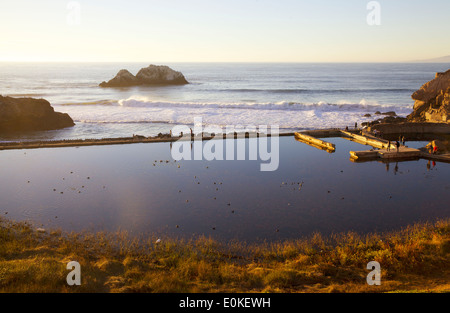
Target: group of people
{"points": [[397, 145], [401, 141], [433, 149]]}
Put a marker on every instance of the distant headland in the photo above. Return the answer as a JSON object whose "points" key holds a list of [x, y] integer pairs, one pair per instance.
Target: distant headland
{"points": [[444, 59]]}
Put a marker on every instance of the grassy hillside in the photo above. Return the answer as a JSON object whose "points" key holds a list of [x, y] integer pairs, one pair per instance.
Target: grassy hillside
{"points": [[414, 259]]}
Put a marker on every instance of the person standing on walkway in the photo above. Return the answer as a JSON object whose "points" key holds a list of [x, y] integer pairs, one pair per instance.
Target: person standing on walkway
{"points": [[398, 146]]}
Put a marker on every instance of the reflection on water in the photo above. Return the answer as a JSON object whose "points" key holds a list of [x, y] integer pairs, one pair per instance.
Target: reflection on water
{"points": [[140, 188]]}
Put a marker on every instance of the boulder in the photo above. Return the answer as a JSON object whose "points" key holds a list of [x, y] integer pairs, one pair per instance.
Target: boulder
{"points": [[390, 113], [151, 75], [160, 75], [28, 114], [386, 120], [432, 100], [123, 79]]}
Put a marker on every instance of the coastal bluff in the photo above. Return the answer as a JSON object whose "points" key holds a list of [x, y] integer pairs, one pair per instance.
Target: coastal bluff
{"points": [[29, 114], [432, 101], [151, 75]]}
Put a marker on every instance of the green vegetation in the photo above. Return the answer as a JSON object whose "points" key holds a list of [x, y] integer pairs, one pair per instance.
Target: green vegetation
{"points": [[415, 259]]}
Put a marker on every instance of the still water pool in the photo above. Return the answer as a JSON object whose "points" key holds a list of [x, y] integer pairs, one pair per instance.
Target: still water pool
{"points": [[142, 189]]}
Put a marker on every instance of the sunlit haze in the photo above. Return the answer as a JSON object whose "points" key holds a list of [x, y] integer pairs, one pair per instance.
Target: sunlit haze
{"points": [[222, 31]]}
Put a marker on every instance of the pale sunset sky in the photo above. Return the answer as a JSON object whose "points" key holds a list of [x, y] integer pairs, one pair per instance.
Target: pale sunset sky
{"points": [[223, 31]]}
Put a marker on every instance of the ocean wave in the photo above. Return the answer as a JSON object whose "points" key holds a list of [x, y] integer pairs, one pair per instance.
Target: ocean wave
{"points": [[95, 102], [112, 121], [26, 95], [148, 115], [145, 113], [363, 105], [317, 91]]}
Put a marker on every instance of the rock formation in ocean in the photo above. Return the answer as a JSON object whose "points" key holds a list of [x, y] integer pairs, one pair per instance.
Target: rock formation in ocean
{"points": [[123, 79], [432, 101], [28, 114], [151, 75]]}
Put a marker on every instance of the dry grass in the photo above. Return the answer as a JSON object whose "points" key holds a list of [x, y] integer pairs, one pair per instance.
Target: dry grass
{"points": [[415, 259]]}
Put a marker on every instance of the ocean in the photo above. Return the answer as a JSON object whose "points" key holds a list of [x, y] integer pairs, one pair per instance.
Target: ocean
{"points": [[291, 96]]}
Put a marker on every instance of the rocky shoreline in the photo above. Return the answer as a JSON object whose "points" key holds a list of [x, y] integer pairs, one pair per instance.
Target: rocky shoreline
{"points": [[429, 119], [431, 104], [432, 101], [28, 114]]}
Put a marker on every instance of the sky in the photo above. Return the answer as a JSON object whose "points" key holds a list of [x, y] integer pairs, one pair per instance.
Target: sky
{"points": [[223, 30]]}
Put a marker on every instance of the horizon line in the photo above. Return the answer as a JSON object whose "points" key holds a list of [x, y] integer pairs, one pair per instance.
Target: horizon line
{"points": [[231, 62]]}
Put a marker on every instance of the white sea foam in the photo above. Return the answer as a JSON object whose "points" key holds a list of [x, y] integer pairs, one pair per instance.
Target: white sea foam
{"points": [[290, 95], [363, 105], [285, 114]]}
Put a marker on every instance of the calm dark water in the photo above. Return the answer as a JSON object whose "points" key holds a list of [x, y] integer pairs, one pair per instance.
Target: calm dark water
{"points": [[118, 187]]}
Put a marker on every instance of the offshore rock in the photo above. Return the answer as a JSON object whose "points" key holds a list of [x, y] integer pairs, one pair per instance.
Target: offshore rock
{"points": [[123, 79], [151, 75]]}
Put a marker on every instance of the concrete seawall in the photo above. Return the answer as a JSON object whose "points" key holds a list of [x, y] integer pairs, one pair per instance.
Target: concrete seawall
{"points": [[412, 128], [122, 141], [314, 141]]}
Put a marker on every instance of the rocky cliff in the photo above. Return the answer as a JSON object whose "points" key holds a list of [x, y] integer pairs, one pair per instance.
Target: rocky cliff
{"points": [[23, 114], [432, 100], [151, 75]]}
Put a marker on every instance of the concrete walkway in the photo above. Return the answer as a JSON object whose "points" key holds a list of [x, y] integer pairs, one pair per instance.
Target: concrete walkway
{"points": [[315, 142], [402, 153], [367, 139]]}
